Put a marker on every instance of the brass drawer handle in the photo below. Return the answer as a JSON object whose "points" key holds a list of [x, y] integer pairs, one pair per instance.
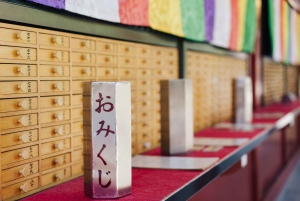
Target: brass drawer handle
{"points": [[59, 116], [58, 40], [58, 55], [22, 53], [59, 131], [59, 161], [59, 101], [23, 121], [25, 172], [22, 35], [22, 70], [87, 71], [58, 86], [59, 176], [24, 138], [58, 70], [23, 104], [60, 146], [86, 43], [24, 154], [24, 187]]}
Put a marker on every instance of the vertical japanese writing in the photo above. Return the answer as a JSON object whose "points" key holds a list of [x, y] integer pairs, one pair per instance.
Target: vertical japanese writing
{"points": [[28, 37], [30, 136], [31, 168], [28, 53], [30, 103], [29, 86], [29, 120], [30, 152], [29, 70], [31, 182]]}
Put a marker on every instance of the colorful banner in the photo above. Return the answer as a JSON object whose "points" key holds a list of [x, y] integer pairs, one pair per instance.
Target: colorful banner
{"points": [[60, 4], [209, 9], [250, 28], [134, 12]]}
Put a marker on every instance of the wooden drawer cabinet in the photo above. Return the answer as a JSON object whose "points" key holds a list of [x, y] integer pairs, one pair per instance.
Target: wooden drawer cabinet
{"points": [[144, 116], [20, 188], [54, 55], [83, 44], [127, 49], [54, 86], [78, 155], [144, 62], [18, 70], [143, 126], [19, 154], [125, 61], [54, 40], [19, 138], [77, 100], [77, 127], [108, 73], [18, 53], [107, 60], [54, 71], [20, 171], [54, 101], [19, 104], [144, 94], [17, 36], [143, 83], [55, 131], [107, 46], [143, 73], [144, 51], [77, 169], [127, 73], [19, 121], [83, 72], [56, 161], [78, 141], [144, 105], [55, 146], [18, 87], [56, 176], [83, 58], [55, 116]]}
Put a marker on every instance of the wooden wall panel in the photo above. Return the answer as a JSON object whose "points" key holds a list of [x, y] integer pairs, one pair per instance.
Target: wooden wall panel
{"points": [[292, 79]]}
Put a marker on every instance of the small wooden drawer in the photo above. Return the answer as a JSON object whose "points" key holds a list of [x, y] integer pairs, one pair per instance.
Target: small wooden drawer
{"points": [[156, 83], [144, 136], [18, 138], [20, 188], [19, 121], [54, 86], [83, 72], [54, 71], [144, 115], [54, 101], [20, 104], [77, 114], [144, 84], [54, 55], [127, 49], [55, 116], [54, 40], [108, 72], [107, 46], [55, 146], [78, 156], [77, 100], [144, 105], [144, 94], [18, 53], [77, 169], [144, 51], [55, 131], [77, 87], [19, 87], [19, 154], [18, 70], [159, 63], [127, 61], [165, 73], [84, 58], [143, 73], [19, 171], [78, 141], [144, 62], [127, 73], [17, 36], [56, 176], [155, 94], [77, 127], [143, 126], [56, 161], [83, 44], [107, 60]]}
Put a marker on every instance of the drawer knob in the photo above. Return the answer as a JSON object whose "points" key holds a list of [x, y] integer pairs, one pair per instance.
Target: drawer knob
{"points": [[22, 87], [25, 172], [108, 59], [145, 51], [86, 57], [127, 72], [24, 154], [22, 52], [22, 70], [58, 55], [22, 35], [59, 176], [87, 71], [109, 46], [24, 187], [60, 146], [58, 86], [128, 49], [24, 138], [59, 116], [23, 121], [144, 61], [58, 70], [59, 101], [128, 61], [58, 40], [59, 161], [59, 131], [23, 104], [86, 43], [108, 72]]}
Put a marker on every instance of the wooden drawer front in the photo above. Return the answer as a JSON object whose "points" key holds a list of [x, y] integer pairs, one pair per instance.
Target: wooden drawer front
{"points": [[18, 70], [56, 161], [77, 100], [55, 131], [20, 154], [156, 94], [55, 146], [84, 72], [108, 72], [54, 40], [171, 63], [127, 61], [83, 44], [54, 86], [78, 141], [11, 105], [19, 171], [77, 169], [80, 57], [144, 51], [165, 52], [143, 126], [54, 101], [18, 138], [56, 176], [17, 36], [54, 71], [19, 121], [20, 188], [18, 53], [144, 62], [144, 73], [127, 73], [77, 114], [107, 60], [78, 155], [55, 116], [19, 87], [144, 104], [156, 83], [54, 55], [144, 94], [144, 115], [107, 46], [127, 49], [144, 84], [166, 73], [77, 87], [77, 127]]}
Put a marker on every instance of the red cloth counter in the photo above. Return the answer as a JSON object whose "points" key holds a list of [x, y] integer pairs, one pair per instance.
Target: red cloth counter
{"points": [[154, 184]]}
